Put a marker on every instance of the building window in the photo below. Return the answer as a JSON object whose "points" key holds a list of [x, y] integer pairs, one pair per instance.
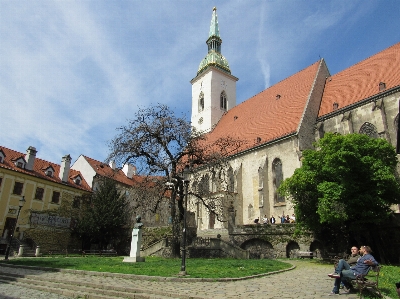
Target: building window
{"points": [[204, 187], [223, 101], [18, 188], [56, 197], [231, 180], [369, 129], [250, 212], [49, 173], [260, 187], [20, 164], [277, 179], [1, 179], [214, 182], [39, 193], [201, 102]]}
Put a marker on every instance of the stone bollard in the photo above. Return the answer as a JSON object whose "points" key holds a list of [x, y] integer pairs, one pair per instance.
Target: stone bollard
{"points": [[37, 252], [21, 250]]}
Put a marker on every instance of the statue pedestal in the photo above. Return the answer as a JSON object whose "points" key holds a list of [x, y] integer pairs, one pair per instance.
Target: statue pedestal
{"points": [[135, 259], [134, 256]]}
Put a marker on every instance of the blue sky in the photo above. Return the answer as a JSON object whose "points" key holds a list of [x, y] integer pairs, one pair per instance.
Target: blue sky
{"points": [[71, 72]]}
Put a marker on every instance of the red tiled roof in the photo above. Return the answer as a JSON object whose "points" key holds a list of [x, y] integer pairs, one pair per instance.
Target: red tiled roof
{"points": [[267, 116], [361, 80], [104, 170], [39, 168]]}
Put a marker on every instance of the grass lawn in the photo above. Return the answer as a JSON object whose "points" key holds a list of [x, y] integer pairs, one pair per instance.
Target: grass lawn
{"points": [[155, 266], [388, 276]]}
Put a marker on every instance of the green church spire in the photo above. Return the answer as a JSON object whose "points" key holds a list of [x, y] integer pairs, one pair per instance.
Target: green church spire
{"points": [[214, 30], [214, 41]]}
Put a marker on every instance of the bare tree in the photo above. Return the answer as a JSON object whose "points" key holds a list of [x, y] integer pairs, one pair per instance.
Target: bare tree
{"points": [[160, 144]]}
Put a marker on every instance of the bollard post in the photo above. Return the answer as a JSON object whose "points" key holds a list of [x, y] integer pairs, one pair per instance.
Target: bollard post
{"points": [[37, 252], [21, 250]]}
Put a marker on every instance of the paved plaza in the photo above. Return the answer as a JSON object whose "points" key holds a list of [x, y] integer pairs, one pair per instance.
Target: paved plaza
{"points": [[306, 280]]}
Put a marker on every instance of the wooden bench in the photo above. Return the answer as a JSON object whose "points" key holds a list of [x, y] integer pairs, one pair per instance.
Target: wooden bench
{"points": [[369, 282], [305, 254], [57, 252], [110, 252], [65, 252]]}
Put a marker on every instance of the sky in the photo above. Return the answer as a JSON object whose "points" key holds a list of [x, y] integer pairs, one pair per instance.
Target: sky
{"points": [[72, 72]]}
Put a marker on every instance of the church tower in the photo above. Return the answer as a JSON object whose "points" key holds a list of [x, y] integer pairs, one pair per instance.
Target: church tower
{"points": [[213, 88]]}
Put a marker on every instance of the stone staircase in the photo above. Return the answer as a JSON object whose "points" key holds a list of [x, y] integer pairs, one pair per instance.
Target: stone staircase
{"points": [[82, 287], [15, 245]]}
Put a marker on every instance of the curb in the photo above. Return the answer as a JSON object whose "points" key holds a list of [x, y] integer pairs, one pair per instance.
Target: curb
{"points": [[144, 277]]}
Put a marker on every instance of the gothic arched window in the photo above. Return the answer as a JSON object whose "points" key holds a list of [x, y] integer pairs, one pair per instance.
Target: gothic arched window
{"points": [[260, 187], [231, 180], [369, 129], [214, 182], [201, 102], [204, 186], [277, 179], [223, 101]]}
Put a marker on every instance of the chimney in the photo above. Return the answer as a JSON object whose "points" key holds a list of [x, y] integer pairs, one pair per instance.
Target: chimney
{"points": [[112, 164], [129, 170], [64, 169], [30, 157]]}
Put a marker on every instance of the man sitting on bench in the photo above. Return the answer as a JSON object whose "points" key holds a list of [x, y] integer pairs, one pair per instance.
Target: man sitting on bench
{"points": [[352, 260], [345, 273]]}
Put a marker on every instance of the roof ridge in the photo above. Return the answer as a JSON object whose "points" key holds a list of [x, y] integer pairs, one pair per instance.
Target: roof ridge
{"points": [[279, 82], [23, 155], [367, 58]]}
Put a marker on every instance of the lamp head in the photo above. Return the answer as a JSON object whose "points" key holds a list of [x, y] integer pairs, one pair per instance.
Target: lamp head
{"points": [[169, 185], [22, 201], [186, 173]]}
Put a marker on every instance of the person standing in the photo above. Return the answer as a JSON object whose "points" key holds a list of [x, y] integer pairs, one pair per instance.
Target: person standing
{"points": [[272, 220], [283, 218]]}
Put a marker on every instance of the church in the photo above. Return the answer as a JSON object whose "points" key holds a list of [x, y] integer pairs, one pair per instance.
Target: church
{"points": [[285, 119]]}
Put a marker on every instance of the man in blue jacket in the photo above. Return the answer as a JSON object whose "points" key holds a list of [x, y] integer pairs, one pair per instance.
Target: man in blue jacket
{"points": [[345, 273]]}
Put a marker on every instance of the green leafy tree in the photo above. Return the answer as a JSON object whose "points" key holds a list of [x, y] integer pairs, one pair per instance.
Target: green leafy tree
{"points": [[105, 215], [347, 182]]}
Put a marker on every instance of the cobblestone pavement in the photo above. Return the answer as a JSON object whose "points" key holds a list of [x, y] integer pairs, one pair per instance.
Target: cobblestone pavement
{"points": [[307, 280]]}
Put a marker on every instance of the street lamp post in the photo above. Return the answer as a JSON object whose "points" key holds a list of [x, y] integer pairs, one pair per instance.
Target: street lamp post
{"points": [[186, 176], [21, 204]]}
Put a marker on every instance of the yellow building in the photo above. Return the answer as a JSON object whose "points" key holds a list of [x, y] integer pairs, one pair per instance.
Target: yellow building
{"points": [[44, 185]]}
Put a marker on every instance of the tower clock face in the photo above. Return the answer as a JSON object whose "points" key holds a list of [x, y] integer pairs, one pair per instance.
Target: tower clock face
{"points": [[223, 84]]}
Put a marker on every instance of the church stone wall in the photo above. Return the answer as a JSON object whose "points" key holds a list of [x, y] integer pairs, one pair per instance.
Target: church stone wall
{"points": [[381, 113], [250, 186], [391, 108], [271, 241]]}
